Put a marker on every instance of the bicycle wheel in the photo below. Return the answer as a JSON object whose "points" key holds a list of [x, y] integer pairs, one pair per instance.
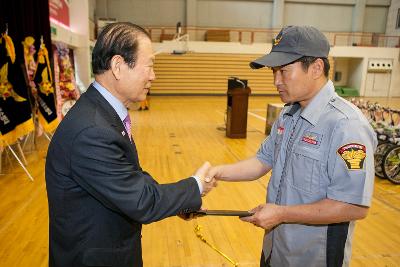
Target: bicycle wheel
{"points": [[380, 152], [391, 165]]}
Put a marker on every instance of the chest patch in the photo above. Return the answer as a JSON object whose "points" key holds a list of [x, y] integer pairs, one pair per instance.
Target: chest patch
{"points": [[311, 138], [353, 155], [280, 130]]}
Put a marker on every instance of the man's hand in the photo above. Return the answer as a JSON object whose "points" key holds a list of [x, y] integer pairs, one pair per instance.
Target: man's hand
{"points": [[266, 216], [202, 173], [214, 173], [190, 216], [187, 216]]}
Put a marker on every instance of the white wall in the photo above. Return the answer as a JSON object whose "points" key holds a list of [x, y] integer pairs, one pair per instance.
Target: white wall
{"points": [[336, 16], [324, 17], [359, 67], [143, 12], [375, 18], [392, 18], [92, 9], [66, 36], [79, 21], [238, 14], [342, 66], [355, 71], [327, 15], [77, 38]]}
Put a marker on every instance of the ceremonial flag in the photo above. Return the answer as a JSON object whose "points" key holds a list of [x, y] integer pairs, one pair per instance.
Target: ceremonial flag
{"points": [[15, 111], [45, 91], [29, 60]]}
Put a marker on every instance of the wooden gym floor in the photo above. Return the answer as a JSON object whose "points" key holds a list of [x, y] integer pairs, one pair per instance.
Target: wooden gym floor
{"points": [[174, 138]]}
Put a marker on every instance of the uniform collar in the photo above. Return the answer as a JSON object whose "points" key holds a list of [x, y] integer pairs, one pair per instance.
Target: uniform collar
{"points": [[291, 109], [312, 111]]}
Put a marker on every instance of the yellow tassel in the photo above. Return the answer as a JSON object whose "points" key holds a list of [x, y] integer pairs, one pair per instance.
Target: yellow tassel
{"points": [[197, 230], [48, 127], [20, 130], [10, 47], [46, 55]]}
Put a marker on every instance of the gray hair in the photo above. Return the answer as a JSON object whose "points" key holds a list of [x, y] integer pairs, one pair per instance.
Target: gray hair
{"points": [[119, 38]]}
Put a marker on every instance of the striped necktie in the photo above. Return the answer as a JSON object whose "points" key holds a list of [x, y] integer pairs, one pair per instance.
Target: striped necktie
{"points": [[128, 124]]}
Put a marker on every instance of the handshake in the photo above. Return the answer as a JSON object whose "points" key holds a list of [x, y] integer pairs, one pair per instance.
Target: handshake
{"points": [[208, 177], [266, 216]]}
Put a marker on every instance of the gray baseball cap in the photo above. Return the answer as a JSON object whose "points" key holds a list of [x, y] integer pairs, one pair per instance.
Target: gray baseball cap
{"points": [[292, 43]]}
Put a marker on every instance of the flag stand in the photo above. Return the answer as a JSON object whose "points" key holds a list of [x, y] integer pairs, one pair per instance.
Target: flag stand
{"points": [[17, 158]]}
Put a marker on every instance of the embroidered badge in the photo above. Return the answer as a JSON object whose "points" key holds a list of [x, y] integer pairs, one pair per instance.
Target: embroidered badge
{"points": [[278, 39], [280, 130], [353, 155], [311, 138]]}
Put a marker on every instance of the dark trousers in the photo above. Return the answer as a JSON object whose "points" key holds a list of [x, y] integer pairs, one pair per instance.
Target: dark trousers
{"points": [[264, 262]]}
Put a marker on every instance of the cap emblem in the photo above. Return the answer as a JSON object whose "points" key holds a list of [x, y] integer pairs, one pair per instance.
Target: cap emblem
{"points": [[277, 39]]}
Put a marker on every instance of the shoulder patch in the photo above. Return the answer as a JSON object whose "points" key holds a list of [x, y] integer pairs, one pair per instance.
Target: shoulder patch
{"points": [[353, 155]]}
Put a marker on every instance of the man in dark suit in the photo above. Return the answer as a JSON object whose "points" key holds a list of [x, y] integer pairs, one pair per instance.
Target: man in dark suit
{"points": [[98, 194]]}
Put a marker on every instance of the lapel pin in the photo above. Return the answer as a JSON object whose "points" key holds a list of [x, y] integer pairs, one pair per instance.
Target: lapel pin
{"points": [[123, 133]]}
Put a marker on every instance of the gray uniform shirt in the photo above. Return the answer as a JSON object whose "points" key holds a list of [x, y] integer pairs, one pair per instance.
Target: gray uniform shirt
{"points": [[325, 150]]}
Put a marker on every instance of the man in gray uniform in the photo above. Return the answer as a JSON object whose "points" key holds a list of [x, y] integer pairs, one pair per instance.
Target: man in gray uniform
{"points": [[320, 151]]}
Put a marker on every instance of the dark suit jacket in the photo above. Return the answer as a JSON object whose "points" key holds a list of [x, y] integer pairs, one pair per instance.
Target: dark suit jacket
{"points": [[98, 195]]}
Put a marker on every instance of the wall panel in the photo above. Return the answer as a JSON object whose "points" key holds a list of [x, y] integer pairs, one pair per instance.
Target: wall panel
{"points": [[241, 14]]}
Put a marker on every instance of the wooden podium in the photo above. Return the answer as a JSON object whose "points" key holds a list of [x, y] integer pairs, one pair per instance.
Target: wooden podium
{"points": [[236, 114]]}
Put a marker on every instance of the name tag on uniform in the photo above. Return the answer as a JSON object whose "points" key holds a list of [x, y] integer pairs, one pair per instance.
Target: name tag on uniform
{"points": [[313, 139]]}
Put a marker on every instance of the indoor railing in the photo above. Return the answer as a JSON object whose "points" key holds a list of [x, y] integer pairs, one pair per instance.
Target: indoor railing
{"points": [[253, 35]]}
